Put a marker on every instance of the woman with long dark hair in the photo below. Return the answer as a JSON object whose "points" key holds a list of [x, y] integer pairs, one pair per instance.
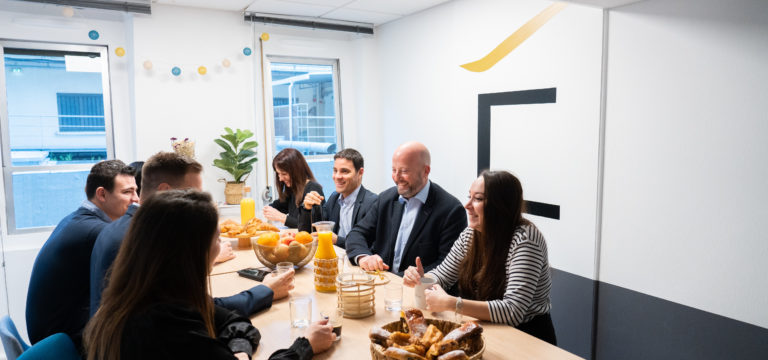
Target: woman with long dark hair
{"points": [[157, 303], [293, 180], [504, 275]]}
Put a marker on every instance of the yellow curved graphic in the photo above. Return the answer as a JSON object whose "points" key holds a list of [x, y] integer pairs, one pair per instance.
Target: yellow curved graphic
{"points": [[514, 40]]}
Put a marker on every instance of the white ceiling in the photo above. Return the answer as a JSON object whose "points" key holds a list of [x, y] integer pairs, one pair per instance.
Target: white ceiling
{"points": [[374, 12]]}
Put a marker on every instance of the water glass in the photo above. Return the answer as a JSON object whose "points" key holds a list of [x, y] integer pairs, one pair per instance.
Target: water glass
{"points": [[393, 296], [301, 311]]}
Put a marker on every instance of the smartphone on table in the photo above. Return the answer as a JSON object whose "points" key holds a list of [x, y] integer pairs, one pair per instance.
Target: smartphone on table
{"points": [[257, 274]]}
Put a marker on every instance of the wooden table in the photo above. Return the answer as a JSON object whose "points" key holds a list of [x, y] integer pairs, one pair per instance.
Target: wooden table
{"points": [[501, 341]]}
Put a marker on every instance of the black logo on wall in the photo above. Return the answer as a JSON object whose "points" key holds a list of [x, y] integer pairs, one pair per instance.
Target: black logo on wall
{"points": [[523, 97]]}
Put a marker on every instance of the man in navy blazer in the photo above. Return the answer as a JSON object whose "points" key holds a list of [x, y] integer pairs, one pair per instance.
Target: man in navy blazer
{"points": [[57, 298], [351, 201], [165, 171], [415, 218]]}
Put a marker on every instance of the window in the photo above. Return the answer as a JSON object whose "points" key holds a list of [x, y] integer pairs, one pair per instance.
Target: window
{"points": [[56, 123], [80, 112], [305, 108]]}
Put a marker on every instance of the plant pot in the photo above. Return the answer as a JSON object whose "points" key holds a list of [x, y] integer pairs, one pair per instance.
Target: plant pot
{"points": [[233, 192]]}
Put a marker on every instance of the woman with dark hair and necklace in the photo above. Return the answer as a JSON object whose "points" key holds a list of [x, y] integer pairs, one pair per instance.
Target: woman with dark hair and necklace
{"points": [[157, 303], [293, 180], [504, 275]]}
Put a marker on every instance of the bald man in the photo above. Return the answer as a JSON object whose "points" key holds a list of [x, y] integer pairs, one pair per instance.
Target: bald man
{"points": [[414, 218]]}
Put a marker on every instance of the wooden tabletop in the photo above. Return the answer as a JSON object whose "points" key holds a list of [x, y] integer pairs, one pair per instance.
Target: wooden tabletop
{"points": [[502, 341]]}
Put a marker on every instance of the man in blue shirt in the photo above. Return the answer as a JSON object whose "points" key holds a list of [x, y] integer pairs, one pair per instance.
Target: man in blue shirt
{"points": [[351, 201], [165, 171], [414, 218], [57, 299]]}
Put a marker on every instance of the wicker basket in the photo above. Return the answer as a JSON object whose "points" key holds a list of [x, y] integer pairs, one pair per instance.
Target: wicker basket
{"points": [[377, 351], [356, 295]]}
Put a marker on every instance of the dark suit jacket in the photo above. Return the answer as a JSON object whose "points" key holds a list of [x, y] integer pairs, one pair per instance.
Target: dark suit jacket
{"points": [[438, 224], [105, 251], [298, 216], [363, 203], [57, 299]]}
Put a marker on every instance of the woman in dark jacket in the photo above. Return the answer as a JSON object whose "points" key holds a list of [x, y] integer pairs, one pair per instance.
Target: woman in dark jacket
{"points": [[157, 306], [293, 180]]}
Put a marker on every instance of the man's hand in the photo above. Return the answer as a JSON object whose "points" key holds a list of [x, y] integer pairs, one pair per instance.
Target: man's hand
{"points": [[273, 214], [225, 252], [413, 274], [320, 335], [312, 198], [280, 284], [372, 262]]}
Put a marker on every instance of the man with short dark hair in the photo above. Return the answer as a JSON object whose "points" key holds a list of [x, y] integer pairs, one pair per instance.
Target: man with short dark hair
{"points": [[414, 218], [57, 299], [351, 201], [166, 171]]}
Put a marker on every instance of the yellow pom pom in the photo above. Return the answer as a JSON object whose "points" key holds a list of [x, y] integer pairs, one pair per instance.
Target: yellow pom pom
{"points": [[265, 36], [202, 70], [120, 52]]}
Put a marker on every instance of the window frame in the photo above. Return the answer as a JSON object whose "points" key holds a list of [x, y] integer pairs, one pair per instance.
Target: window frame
{"points": [[8, 168], [334, 63]]}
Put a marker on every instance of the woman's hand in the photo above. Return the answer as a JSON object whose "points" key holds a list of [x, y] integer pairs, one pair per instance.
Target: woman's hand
{"points": [[320, 335], [273, 214], [438, 300], [225, 252], [413, 274], [242, 356], [312, 198]]}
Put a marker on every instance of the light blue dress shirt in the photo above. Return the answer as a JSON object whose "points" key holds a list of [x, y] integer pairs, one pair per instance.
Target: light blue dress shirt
{"points": [[411, 210], [346, 204]]}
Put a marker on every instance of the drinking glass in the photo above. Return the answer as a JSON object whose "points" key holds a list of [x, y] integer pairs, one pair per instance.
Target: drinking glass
{"points": [[335, 317], [393, 296], [418, 291], [301, 311]]}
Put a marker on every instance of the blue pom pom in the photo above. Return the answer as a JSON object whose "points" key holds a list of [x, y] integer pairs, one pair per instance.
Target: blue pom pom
{"points": [[176, 71], [93, 34], [247, 51]]}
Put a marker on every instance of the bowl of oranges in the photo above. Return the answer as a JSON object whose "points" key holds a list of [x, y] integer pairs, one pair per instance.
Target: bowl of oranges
{"points": [[272, 248]]}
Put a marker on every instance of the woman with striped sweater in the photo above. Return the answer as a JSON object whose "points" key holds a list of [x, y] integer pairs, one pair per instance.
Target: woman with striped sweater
{"points": [[498, 266]]}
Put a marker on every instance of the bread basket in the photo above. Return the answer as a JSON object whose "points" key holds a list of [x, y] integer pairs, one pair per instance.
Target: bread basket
{"points": [[445, 326]]}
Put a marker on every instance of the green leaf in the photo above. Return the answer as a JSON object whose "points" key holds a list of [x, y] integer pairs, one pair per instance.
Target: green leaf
{"points": [[249, 145], [224, 145]]}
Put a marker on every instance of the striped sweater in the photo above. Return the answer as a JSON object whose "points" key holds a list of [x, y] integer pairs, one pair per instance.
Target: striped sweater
{"points": [[528, 279]]}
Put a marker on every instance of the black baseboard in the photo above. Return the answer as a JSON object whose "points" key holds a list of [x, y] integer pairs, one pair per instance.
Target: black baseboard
{"points": [[631, 325], [572, 312]]}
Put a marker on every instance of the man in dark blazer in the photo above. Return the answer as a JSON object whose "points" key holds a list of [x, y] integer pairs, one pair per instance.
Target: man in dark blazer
{"points": [[57, 298], [351, 201], [165, 171], [415, 218]]}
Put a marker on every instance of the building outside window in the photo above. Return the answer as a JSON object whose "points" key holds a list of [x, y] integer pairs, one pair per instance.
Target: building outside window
{"points": [[56, 123]]}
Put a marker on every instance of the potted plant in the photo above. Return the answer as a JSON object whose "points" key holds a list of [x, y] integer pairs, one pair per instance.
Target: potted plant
{"points": [[237, 159]]}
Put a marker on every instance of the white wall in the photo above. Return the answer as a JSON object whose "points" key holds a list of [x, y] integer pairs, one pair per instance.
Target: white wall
{"points": [[34, 22], [686, 155], [426, 96], [192, 106]]}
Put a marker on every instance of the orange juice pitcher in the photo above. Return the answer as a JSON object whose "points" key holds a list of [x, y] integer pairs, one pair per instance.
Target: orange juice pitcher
{"points": [[247, 206], [326, 262]]}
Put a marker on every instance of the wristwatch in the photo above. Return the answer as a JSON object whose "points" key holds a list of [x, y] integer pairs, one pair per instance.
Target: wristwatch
{"points": [[459, 305]]}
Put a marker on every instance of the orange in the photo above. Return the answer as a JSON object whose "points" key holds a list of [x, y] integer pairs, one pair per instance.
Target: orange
{"points": [[303, 237], [268, 239]]}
